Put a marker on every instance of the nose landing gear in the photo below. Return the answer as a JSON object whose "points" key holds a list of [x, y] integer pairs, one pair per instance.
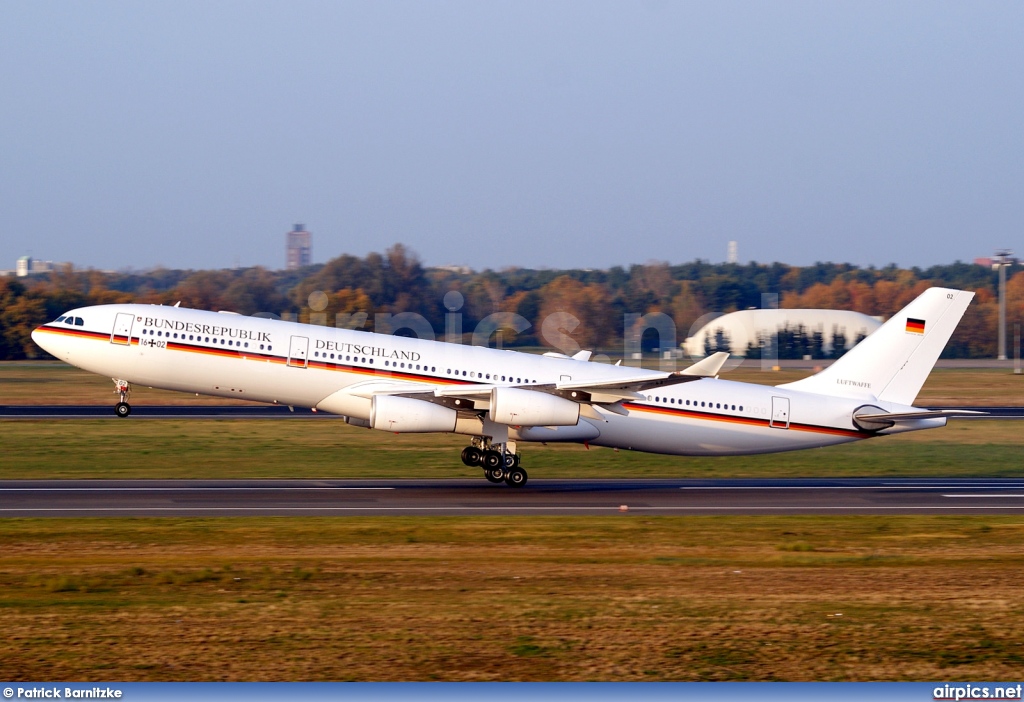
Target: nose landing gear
{"points": [[499, 461], [124, 389]]}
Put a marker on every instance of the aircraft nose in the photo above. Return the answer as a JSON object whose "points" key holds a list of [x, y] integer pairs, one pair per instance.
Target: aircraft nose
{"points": [[40, 339]]}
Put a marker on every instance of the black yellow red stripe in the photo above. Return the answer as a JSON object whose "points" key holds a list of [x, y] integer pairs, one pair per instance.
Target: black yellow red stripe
{"points": [[251, 355], [77, 333], [915, 326], [747, 421]]}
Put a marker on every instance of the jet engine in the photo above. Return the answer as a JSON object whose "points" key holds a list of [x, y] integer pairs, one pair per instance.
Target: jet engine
{"points": [[528, 408], [404, 414]]}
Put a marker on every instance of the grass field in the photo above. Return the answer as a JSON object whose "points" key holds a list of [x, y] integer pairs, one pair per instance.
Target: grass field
{"points": [[623, 598], [329, 448], [554, 598]]}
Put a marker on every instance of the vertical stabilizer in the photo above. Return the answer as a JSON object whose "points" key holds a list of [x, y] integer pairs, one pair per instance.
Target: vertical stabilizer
{"points": [[893, 362]]}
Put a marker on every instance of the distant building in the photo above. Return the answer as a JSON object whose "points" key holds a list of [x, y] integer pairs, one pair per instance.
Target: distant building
{"points": [[744, 328], [299, 248], [452, 268], [27, 266], [994, 264]]}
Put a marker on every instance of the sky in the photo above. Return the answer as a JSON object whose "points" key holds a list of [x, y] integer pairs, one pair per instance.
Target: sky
{"points": [[497, 134]]}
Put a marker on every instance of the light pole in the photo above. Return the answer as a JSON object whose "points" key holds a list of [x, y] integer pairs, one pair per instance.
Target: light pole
{"points": [[1003, 258]]}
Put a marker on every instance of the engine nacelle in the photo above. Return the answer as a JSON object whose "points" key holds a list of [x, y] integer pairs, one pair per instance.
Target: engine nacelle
{"points": [[528, 408], [404, 414]]}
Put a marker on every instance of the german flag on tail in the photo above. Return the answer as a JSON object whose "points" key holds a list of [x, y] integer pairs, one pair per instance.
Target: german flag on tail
{"points": [[915, 326]]}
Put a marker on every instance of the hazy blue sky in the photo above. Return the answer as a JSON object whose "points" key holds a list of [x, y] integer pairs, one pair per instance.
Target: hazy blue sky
{"points": [[493, 134]]}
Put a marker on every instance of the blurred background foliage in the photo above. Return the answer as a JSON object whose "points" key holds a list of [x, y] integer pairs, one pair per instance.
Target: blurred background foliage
{"points": [[396, 281]]}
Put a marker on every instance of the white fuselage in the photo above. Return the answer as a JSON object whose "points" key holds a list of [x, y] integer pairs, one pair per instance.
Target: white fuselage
{"points": [[337, 370]]}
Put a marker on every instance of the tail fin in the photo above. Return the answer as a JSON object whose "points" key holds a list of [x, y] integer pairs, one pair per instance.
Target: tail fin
{"points": [[894, 361]]}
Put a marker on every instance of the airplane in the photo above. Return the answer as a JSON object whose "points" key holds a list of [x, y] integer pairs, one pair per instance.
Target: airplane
{"points": [[500, 398]]}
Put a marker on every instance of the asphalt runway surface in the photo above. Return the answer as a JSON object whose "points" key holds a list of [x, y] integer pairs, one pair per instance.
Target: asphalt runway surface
{"points": [[198, 498], [281, 412]]}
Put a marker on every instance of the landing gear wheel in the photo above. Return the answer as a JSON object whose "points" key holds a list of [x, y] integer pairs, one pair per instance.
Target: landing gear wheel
{"points": [[516, 477], [511, 461], [471, 456], [492, 460], [122, 409], [495, 475]]}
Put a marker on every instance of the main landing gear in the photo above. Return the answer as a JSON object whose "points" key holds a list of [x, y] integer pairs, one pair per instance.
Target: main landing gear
{"points": [[123, 388], [500, 462]]}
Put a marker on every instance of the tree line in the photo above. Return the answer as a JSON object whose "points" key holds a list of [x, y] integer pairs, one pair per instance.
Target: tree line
{"points": [[354, 292]]}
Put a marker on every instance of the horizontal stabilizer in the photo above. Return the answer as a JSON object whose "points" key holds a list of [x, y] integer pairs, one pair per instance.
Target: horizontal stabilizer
{"points": [[874, 421]]}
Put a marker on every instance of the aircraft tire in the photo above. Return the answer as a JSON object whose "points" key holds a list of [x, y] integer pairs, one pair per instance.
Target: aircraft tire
{"points": [[122, 409], [495, 475], [492, 459], [511, 461], [471, 456], [516, 477]]}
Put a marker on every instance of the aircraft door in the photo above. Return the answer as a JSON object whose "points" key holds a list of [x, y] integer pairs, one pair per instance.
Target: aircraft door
{"points": [[122, 332], [298, 352], [780, 412]]}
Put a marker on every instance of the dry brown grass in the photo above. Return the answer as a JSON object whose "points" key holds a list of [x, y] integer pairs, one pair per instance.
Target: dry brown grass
{"points": [[629, 598]]}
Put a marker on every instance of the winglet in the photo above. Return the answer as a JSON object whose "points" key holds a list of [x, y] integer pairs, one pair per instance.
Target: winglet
{"points": [[708, 367]]}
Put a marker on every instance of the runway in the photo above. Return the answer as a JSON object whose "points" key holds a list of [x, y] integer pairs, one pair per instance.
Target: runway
{"points": [[256, 411], [350, 498]]}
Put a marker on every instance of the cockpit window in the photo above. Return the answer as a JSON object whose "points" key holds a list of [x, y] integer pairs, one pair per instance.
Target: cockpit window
{"points": [[59, 319], [69, 320], [79, 322]]}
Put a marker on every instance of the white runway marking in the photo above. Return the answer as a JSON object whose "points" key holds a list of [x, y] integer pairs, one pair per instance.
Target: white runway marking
{"points": [[885, 486], [959, 485], [977, 495], [614, 508], [784, 487]]}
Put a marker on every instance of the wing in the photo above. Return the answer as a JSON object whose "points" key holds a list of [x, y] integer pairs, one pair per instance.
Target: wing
{"points": [[616, 389], [606, 392]]}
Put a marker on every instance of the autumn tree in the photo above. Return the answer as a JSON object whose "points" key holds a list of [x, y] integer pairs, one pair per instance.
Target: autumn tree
{"points": [[590, 304]]}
